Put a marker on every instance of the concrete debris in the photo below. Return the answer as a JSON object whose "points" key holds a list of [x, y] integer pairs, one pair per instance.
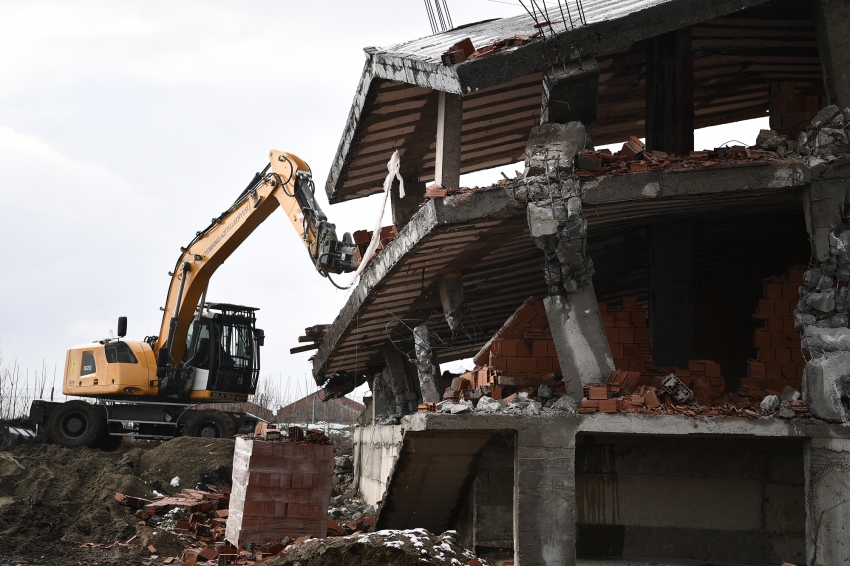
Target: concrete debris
{"points": [[770, 403], [489, 405], [563, 404], [455, 407]]}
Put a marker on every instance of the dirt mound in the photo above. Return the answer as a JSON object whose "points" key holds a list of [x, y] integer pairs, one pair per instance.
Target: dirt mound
{"points": [[53, 499], [383, 548]]}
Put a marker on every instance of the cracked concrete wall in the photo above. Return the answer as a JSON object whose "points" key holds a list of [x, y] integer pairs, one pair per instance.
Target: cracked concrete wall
{"points": [[827, 466], [376, 449]]}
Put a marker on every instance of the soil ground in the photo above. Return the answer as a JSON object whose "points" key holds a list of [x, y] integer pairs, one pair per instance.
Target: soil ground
{"points": [[54, 500]]}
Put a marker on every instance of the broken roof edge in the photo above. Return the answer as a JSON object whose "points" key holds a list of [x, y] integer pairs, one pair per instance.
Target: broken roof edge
{"points": [[515, 62], [435, 213]]}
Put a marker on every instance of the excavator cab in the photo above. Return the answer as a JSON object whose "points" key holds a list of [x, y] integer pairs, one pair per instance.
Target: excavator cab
{"points": [[222, 358]]}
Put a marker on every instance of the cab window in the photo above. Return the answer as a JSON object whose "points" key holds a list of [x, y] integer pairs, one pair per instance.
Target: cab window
{"points": [[119, 353], [87, 367]]}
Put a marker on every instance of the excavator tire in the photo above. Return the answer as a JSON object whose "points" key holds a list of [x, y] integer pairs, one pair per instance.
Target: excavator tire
{"points": [[76, 423], [209, 423]]}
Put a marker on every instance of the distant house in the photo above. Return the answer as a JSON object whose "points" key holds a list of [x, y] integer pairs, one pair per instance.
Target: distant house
{"points": [[312, 409]]}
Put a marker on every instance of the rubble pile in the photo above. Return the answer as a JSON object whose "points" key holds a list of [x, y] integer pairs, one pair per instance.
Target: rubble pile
{"points": [[414, 547]]}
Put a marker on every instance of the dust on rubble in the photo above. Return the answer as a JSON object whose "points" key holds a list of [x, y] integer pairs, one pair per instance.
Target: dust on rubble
{"points": [[57, 505], [382, 548]]}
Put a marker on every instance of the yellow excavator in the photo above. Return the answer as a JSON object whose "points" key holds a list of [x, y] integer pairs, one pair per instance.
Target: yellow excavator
{"points": [[204, 352]]}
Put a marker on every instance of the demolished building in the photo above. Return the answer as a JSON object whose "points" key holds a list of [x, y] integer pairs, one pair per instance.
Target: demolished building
{"points": [[726, 269]]}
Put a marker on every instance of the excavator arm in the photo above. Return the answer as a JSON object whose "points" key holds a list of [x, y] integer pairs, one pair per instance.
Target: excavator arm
{"points": [[285, 183]]}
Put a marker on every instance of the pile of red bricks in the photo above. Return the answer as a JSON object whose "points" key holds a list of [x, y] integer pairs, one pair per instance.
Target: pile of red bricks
{"points": [[280, 490], [628, 336], [779, 362], [362, 238]]}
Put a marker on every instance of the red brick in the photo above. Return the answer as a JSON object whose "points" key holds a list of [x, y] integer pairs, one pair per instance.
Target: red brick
{"points": [[613, 334], [522, 349], [774, 292], [627, 335], [553, 353], [597, 393], [797, 356], [539, 322], [696, 366], [783, 308], [757, 370], [631, 351], [629, 303], [766, 307], [617, 350], [773, 370], [621, 364], [529, 365], [609, 319], [545, 365], [793, 339], [602, 306], [790, 293], [775, 324], [539, 348], [500, 363], [712, 369], [636, 366], [514, 365], [767, 355], [639, 319], [783, 355], [762, 338], [778, 339], [642, 335], [608, 406], [587, 403], [795, 276], [789, 371]]}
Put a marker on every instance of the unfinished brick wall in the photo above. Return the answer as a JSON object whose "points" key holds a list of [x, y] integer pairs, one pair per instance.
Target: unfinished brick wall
{"points": [[779, 362], [792, 108], [280, 489]]}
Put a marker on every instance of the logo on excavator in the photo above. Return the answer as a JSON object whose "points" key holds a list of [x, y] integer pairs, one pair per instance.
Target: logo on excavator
{"points": [[227, 230]]}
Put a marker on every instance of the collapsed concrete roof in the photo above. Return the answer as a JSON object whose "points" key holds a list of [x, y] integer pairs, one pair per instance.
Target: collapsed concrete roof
{"points": [[739, 47], [483, 235]]}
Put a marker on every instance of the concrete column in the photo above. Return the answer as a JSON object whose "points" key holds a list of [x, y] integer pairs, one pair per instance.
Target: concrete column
{"points": [[832, 21], [403, 209], [544, 495], [570, 93], [580, 339], [452, 299], [827, 469], [822, 207], [426, 365], [670, 93], [447, 167], [400, 373], [671, 297]]}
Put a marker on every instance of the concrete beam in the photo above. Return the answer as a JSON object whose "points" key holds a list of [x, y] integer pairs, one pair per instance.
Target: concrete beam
{"points": [[827, 470], [671, 296], [832, 20], [426, 364], [670, 93], [580, 340], [570, 93], [452, 299], [449, 113]]}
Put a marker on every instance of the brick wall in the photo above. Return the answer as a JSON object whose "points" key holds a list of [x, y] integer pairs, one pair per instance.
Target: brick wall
{"points": [[792, 108], [279, 489]]}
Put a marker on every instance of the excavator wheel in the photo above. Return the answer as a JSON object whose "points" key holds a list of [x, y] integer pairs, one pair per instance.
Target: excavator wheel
{"points": [[76, 423], [209, 423]]}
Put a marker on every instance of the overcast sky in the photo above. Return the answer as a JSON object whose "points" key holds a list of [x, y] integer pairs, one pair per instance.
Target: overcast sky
{"points": [[126, 126]]}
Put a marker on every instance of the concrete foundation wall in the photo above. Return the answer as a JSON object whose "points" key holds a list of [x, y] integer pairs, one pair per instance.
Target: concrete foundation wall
{"points": [[376, 449], [700, 498]]}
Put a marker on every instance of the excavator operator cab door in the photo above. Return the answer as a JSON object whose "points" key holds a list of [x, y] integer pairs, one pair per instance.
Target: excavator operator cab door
{"points": [[223, 352]]}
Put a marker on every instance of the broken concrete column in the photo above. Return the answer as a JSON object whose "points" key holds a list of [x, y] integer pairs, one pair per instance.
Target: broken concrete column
{"points": [[570, 93], [398, 378], [832, 20], [827, 469], [426, 364], [403, 209], [557, 225], [447, 166], [452, 299], [670, 93], [826, 386]]}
